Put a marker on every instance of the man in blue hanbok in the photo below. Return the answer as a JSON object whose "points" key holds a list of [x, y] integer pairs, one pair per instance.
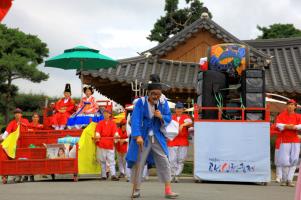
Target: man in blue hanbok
{"points": [[148, 144]]}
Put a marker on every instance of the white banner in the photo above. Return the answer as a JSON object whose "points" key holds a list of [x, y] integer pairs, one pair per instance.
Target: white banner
{"points": [[232, 151]]}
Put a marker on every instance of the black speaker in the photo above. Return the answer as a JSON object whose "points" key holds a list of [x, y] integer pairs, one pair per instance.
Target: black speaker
{"points": [[253, 92], [213, 82]]}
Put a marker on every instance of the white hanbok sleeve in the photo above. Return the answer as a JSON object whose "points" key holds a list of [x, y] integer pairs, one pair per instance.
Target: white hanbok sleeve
{"points": [[280, 126], [4, 135], [298, 127]]}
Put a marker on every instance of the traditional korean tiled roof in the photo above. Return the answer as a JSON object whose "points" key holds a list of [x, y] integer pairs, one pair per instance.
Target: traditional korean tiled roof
{"points": [[280, 57], [176, 74], [206, 23], [284, 72]]}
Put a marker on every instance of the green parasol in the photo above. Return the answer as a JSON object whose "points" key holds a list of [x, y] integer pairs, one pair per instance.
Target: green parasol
{"points": [[81, 58]]}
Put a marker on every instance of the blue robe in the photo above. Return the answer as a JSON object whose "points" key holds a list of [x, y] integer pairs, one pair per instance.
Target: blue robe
{"points": [[141, 124]]}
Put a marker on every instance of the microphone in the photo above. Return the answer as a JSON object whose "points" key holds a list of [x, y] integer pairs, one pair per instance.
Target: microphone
{"points": [[156, 106]]}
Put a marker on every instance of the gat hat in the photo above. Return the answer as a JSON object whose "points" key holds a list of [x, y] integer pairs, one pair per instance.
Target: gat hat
{"points": [[154, 82], [291, 101], [88, 87], [179, 105], [67, 87], [17, 110]]}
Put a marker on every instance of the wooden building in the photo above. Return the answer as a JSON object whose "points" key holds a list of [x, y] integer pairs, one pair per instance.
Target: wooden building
{"points": [[176, 61]]}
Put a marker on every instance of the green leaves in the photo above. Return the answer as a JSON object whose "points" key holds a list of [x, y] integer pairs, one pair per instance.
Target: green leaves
{"points": [[20, 55], [279, 31], [176, 19]]}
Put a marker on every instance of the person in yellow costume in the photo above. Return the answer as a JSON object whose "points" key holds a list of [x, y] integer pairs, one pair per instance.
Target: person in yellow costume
{"points": [[87, 163]]}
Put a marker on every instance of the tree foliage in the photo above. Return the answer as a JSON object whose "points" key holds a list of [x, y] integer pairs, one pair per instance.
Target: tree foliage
{"points": [[20, 55], [279, 31], [176, 19], [30, 102]]}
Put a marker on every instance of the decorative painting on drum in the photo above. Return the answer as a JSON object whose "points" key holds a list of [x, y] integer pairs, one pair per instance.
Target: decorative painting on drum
{"points": [[230, 58]]}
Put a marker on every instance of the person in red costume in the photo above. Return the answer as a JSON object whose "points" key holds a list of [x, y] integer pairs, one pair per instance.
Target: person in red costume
{"points": [[35, 124], [13, 125], [179, 145], [288, 122], [63, 109], [122, 148], [106, 132]]}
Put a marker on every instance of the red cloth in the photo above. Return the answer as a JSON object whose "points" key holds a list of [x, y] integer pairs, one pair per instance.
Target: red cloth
{"points": [[289, 136], [62, 118], [13, 125], [203, 64], [107, 130], [276, 132], [34, 127], [4, 7], [122, 148], [182, 138], [3, 155]]}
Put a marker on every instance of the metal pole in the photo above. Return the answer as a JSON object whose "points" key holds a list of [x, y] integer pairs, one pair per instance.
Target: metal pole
{"points": [[81, 77]]}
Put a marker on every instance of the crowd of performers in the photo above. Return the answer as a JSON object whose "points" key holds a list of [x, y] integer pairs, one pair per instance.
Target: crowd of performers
{"points": [[140, 142]]}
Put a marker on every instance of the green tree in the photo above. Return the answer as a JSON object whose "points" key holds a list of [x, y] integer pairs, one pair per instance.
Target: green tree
{"points": [[176, 19], [279, 31], [30, 102], [20, 54]]}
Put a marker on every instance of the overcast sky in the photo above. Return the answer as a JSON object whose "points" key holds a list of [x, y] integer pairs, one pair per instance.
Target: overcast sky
{"points": [[118, 28]]}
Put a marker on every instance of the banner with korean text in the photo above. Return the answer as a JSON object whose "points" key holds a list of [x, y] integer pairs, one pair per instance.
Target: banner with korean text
{"points": [[232, 151]]}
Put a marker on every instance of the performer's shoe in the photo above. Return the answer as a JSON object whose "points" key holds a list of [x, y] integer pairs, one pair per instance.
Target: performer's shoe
{"points": [[136, 194], [103, 178], [108, 174], [278, 180], [290, 184], [25, 179], [18, 179], [31, 178], [146, 178], [283, 183], [171, 195], [176, 180], [121, 175], [114, 178]]}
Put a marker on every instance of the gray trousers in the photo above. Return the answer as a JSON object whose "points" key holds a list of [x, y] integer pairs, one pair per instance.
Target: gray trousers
{"points": [[161, 162]]}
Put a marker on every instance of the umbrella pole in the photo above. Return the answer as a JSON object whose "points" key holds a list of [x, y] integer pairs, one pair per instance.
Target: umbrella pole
{"points": [[81, 77]]}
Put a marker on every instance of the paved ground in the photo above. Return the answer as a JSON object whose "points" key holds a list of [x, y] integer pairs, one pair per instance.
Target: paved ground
{"points": [[65, 189]]}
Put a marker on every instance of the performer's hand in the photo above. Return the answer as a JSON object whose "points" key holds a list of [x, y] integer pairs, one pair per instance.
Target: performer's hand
{"points": [[181, 127], [139, 141], [97, 136], [158, 114], [95, 139], [290, 126]]}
